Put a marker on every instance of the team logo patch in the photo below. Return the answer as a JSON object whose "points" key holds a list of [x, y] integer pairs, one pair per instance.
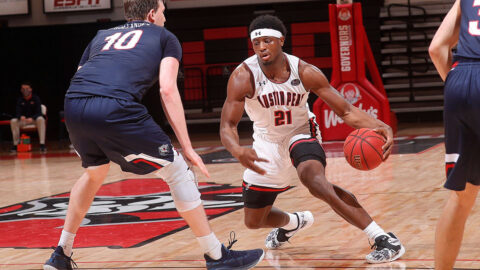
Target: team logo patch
{"points": [[295, 82], [164, 149], [128, 213]]}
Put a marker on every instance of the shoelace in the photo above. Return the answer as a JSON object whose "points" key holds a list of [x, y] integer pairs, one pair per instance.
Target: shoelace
{"points": [[72, 262], [232, 240]]}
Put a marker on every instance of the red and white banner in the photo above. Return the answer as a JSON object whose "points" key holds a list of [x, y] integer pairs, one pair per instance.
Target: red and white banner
{"points": [[350, 53], [75, 5], [14, 7]]}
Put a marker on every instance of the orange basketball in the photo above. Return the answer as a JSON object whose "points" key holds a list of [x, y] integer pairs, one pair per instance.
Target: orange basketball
{"points": [[363, 149]]}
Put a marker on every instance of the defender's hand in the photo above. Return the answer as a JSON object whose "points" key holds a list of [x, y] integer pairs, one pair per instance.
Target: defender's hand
{"points": [[247, 158], [387, 133], [196, 160]]}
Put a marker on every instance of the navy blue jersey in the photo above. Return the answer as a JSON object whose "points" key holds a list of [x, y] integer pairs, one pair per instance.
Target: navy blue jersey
{"points": [[29, 108], [123, 62], [469, 39]]}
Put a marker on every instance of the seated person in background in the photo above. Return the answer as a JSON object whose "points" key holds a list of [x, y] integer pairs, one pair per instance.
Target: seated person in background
{"points": [[28, 112]]}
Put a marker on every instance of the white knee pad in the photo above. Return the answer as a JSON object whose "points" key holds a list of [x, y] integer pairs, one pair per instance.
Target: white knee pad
{"points": [[182, 183]]}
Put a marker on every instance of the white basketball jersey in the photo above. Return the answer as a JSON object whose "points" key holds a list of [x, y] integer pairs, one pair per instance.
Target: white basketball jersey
{"points": [[278, 110]]}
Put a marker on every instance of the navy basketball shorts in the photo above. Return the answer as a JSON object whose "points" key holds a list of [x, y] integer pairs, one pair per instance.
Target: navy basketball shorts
{"points": [[462, 125], [260, 191], [106, 129]]}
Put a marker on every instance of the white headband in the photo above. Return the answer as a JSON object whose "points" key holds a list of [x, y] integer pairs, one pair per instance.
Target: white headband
{"points": [[265, 32]]}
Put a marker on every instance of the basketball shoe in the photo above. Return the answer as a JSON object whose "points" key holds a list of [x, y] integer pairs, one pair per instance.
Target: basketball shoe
{"points": [[59, 261], [387, 248], [235, 259], [278, 236]]}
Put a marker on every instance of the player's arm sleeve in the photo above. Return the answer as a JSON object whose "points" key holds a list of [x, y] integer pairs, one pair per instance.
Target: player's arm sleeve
{"points": [[85, 56], [172, 47]]}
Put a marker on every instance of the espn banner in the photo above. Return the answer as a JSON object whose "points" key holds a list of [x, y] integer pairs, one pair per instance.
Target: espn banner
{"points": [[14, 7], [53, 6]]}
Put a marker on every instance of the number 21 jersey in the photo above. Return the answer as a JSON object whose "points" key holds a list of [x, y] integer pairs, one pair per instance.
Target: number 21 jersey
{"points": [[279, 110]]}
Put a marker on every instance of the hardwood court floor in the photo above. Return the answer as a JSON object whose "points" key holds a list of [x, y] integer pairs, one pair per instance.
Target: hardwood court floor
{"points": [[403, 195]]}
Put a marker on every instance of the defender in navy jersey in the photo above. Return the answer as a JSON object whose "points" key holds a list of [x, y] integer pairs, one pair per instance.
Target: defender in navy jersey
{"points": [[123, 62], [106, 122], [460, 27]]}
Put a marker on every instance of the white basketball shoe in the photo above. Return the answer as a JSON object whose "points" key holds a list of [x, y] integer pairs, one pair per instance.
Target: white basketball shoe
{"points": [[387, 248], [278, 236]]}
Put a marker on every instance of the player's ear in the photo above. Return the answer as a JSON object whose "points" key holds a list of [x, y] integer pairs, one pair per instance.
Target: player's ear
{"points": [[282, 41], [151, 16]]}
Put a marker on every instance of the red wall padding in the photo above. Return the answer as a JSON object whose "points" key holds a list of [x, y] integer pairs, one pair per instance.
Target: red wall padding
{"points": [[225, 33], [311, 27]]}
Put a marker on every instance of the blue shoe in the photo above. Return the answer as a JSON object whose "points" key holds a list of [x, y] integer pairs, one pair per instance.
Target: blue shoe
{"points": [[59, 261], [232, 259]]}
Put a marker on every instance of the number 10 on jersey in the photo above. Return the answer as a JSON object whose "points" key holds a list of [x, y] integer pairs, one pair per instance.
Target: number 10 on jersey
{"points": [[283, 118]]}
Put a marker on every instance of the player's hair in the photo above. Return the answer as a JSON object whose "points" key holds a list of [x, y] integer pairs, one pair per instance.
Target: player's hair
{"points": [[268, 21], [26, 83], [138, 9]]}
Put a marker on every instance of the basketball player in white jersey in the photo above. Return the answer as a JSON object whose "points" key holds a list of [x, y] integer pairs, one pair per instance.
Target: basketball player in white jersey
{"points": [[273, 88]]}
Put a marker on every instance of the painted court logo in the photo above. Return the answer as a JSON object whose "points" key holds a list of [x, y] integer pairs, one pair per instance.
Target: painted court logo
{"points": [[127, 213]]}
